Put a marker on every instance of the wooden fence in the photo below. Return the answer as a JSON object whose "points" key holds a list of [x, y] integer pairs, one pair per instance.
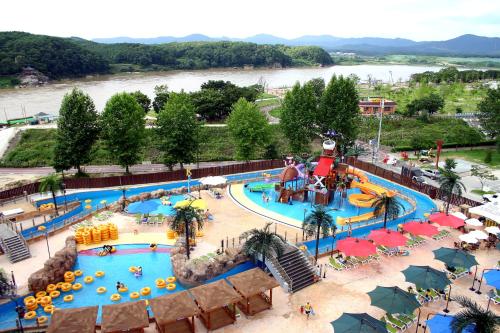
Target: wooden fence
{"points": [[160, 177]]}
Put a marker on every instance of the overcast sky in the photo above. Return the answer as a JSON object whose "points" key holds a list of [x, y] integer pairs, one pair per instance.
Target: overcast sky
{"points": [[414, 19]]}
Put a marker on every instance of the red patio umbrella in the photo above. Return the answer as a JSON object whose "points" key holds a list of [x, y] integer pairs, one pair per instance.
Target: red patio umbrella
{"points": [[356, 247], [387, 237], [447, 220], [420, 228]]}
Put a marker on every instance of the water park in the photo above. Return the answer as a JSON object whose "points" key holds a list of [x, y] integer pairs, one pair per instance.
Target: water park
{"points": [[119, 259]]}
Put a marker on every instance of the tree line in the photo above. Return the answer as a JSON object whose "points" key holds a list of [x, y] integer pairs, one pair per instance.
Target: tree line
{"points": [[452, 74]]}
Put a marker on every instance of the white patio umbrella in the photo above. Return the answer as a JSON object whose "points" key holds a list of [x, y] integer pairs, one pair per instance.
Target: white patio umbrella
{"points": [[478, 234], [468, 239], [459, 215], [474, 222], [492, 230], [213, 180]]}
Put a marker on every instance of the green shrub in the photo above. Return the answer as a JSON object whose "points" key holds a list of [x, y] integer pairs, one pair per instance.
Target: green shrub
{"points": [[488, 157]]}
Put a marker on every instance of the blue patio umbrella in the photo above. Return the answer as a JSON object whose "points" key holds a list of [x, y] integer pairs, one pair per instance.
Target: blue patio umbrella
{"points": [[455, 257], [442, 324], [144, 207], [393, 300], [493, 278], [358, 323], [426, 277]]}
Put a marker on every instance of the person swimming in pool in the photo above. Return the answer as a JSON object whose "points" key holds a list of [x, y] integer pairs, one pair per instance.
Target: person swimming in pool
{"points": [[138, 272]]}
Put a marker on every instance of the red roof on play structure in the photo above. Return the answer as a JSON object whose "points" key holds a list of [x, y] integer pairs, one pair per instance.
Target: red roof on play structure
{"points": [[324, 165]]}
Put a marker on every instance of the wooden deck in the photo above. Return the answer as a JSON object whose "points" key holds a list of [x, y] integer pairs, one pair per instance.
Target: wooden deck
{"points": [[258, 303]]}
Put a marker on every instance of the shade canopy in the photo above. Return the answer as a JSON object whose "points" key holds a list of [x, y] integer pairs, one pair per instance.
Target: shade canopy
{"points": [[214, 295], [76, 320], [460, 215], [142, 207], [490, 210], [478, 234], [213, 180], [197, 204], [455, 257], [252, 282], [474, 222], [387, 237], [446, 220], [420, 228], [442, 324], [356, 247], [492, 230], [169, 308], [124, 316], [493, 278], [358, 323], [426, 277], [468, 238], [393, 300]]}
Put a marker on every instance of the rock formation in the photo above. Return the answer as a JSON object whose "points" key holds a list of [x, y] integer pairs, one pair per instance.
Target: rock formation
{"points": [[55, 267]]}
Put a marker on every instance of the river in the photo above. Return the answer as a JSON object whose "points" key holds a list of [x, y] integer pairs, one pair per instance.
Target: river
{"points": [[17, 102]]}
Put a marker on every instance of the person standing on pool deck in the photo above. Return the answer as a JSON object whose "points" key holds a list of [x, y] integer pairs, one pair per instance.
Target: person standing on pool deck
{"points": [[308, 309]]}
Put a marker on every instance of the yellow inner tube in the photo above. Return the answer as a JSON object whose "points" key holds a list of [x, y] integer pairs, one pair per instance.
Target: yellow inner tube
{"points": [[171, 279], [160, 283], [132, 269], [41, 294], [49, 309], [77, 286], [29, 299], [78, 272], [42, 319], [30, 315], [115, 297], [51, 287], [59, 285], [134, 295], [66, 286], [99, 274], [55, 294], [171, 286], [122, 290], [68, 298], [145, 291], [101, 290], [69, 275], [45, 300], [88, 279]]}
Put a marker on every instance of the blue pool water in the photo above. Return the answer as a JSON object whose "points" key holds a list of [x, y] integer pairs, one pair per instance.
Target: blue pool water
{"points": [[116, 268], [143, 207]]}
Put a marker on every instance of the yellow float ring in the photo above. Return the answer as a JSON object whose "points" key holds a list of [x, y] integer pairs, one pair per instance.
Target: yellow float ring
{"points": [[59, 285], [99, 274], [171, 279], [302, 247], [66, 286], [49, 308], [115, 297], [88, 279], [38, 300], [30, 302], [55, 294], [42, 320], [145, 291], [160, 283], [69, 275], [132, 269], [122, 290], [77, 286], [45, 300], [30, 315], [41, 294], [50, 288], [78, 272], [171, 286], [32, 308], [101, 290], [134, 295], [68, 298]]}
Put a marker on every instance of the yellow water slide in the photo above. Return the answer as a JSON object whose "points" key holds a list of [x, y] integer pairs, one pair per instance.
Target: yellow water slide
{"points": [[354, 219]]}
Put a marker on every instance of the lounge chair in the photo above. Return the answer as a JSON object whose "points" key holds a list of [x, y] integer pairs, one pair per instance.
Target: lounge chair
{"points": [[407, 321], [336, 265], [375, 257], [384, 250], [390, 328], [352, 261], [411, 316], [420, 240], [395, 322], [458, 273]]}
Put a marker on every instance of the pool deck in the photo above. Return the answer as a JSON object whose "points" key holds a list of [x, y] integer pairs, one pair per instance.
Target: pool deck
{"points": [[131, 238]]}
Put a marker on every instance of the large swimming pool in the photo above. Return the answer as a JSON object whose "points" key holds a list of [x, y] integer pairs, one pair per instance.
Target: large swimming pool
{"points": [[116, 268]]}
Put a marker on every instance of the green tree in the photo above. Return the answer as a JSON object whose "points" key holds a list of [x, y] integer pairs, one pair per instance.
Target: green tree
{"points": [[123, 129], [471, 136], [488, 157], [388, 205], [489, 113], [338, 109], [449, 182], [316, 222], [471, 313], [77, 131], [297, 114], [5, 286], [185, 221], [178, 130], [263, 242], [420, 142], [318, 86], [51, 183], [161, 97], [483, 174], [430, 103], [249, 129], [143, 100]]}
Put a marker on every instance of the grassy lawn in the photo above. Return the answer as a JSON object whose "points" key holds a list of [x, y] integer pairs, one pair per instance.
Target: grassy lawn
{"points": [[476, 155], [276, 112], [8, 82], [481, 192], [268, 102], [265, 95]]}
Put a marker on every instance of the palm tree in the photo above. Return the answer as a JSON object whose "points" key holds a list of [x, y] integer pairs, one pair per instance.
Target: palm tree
{"points": [[53, 184], [389, 205], [263, 242], [124, 201], [450, 164], [184, 222], [485, 321], [318, 220], [449, 183], [355, 151]]}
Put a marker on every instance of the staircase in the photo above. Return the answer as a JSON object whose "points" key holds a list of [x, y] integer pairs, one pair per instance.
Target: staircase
{"points": [[297, 268], [13, 244]]}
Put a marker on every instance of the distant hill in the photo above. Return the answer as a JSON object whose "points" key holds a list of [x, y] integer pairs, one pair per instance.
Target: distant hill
{"points": [[466, 45]]}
